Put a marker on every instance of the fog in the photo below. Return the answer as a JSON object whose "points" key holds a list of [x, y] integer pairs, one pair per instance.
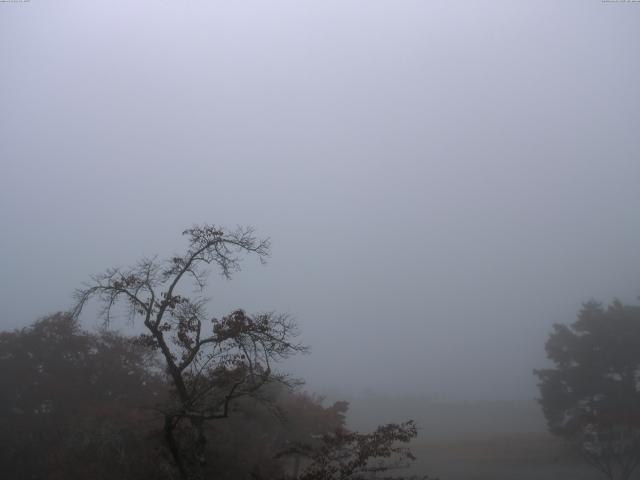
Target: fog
{"points": [[441, 181]]}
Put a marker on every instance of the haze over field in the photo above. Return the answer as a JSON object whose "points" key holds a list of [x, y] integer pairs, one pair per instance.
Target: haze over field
{"points": [[441, 181]]}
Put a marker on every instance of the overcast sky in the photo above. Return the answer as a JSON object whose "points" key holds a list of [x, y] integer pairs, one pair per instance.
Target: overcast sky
{"points": [[441, 180]]}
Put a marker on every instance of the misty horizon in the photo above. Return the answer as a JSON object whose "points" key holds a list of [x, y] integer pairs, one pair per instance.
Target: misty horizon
{"points": [[441, 182]]}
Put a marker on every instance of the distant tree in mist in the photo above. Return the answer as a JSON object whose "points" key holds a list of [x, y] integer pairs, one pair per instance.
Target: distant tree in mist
{"points": [[592, 395]]}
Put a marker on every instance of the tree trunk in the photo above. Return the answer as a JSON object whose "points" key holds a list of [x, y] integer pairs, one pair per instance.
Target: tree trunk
{"points": [[172, 444], [190, 461], [199, 451]]}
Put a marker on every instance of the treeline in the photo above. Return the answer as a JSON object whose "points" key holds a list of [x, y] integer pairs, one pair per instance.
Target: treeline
{"points": [[77, 404]]}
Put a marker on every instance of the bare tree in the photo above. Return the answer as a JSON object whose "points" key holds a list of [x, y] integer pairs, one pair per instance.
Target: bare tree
{"points": [[209, 362], [346, 455]]}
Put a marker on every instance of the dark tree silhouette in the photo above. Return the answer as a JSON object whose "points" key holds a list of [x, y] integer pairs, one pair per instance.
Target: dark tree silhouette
{"points": [[210, 362], [70, 404], [592, 396]]}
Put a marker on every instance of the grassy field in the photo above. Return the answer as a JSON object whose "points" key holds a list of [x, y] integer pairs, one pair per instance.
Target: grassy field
{"points": [[476, 440], [525, 456]]}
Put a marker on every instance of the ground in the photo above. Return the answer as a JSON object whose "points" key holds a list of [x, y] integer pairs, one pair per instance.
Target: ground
{"points": [[498, 440], [524, 456]]}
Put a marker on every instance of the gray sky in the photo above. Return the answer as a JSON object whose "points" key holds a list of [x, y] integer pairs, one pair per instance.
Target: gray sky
{"points": [[441, 180]]}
